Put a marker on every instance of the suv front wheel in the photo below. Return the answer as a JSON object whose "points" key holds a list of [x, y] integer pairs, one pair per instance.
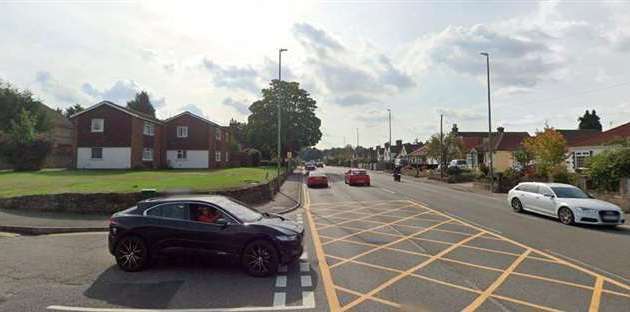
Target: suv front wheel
{"points": [[260, 258]]}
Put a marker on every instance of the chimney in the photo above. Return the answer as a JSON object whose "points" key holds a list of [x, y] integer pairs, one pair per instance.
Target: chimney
{"points": [[455, 130], [500, 129], [398, 142]]}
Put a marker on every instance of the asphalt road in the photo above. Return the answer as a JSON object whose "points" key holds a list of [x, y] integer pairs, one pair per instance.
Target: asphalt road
{"points": [[424, 246], [75, 272], [393, 246]]}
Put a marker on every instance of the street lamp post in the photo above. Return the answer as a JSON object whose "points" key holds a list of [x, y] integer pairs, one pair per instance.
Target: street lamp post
{"points": [[279, 148], [389, 150], [489, 120], [441, 147]]}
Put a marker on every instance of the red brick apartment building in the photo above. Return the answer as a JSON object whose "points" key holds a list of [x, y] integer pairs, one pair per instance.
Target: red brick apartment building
{"points": [[109, 136]]}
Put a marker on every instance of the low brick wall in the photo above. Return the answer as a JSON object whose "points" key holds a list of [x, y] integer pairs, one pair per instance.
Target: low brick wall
{"points": [[615, 198], [108, 203]]}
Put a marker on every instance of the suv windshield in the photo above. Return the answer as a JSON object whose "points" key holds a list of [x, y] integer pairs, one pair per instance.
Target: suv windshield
{"points": [[239, 210], [569, 192]]}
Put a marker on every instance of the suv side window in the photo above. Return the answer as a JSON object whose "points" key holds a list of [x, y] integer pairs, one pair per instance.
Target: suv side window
{"points": [[171, 211]]}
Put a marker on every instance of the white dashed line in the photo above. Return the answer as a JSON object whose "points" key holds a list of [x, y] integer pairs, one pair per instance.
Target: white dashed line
{"points": [[306, 281], [308, 299], [305, 267], [388, 191], [279, 299], [281, 281]]}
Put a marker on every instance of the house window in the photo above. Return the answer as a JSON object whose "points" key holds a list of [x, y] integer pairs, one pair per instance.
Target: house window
{"points": [[149, 129], [227, 156], [218, 135], [97, 153], [580, 159], [147, 154], [97, 125], [217, 156], [182, 132], [227, 138], [181, 154]]}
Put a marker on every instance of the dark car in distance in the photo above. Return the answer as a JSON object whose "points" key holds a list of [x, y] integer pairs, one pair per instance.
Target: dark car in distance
{"points": [[218, 224]]}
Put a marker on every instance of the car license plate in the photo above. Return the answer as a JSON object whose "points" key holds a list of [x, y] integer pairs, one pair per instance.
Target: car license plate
{"points": [[610, 218]]}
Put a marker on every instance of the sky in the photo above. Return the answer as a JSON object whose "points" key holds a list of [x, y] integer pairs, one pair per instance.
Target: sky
{"points": [[549, 60]]}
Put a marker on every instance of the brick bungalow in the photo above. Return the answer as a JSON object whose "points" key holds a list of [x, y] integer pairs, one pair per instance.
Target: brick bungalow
{"points": [[593, 144]]}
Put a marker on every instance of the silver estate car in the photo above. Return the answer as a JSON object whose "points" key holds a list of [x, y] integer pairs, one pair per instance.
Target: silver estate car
{"points": [[563, 201]]}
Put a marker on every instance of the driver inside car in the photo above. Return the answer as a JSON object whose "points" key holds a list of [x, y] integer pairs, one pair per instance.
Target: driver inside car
{"points": [[207, 215]]}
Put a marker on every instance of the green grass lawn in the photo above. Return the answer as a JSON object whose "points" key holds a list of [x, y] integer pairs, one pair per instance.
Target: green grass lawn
{"points": [[120, 181]]}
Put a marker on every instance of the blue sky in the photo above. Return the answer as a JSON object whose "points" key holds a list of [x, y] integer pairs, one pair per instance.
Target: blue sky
{"points": [[550, 60]]}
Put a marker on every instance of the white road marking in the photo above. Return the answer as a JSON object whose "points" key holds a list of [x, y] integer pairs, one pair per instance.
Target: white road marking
{"points": [[279, 299], [311, 305], [305, 267], [308, 299], [281, 281], [282, 269], [387, 190], [306, 281]]}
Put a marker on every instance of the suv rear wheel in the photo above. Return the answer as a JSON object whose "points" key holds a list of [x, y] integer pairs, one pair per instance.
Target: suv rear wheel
{"points": [[132, 254]]}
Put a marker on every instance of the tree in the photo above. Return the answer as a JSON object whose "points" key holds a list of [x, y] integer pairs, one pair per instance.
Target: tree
{"points": [[238, 131], [21, 147], [142, 103], [76, 108], [548, 148], [523, 157], [300, 125], [13, 101], [589, 121], [453, 147]]}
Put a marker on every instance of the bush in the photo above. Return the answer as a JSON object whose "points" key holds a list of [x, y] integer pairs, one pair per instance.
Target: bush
{"points": [[26, 156], [484, 169], [560, 174], [508, 179], [254, 156], [453, 171], [608, 167], [461, 177]]}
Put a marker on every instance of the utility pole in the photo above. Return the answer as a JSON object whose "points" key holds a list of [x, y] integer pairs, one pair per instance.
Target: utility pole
{"points": [[441, 147], [279, 149], [489, 121], [389, 153]]}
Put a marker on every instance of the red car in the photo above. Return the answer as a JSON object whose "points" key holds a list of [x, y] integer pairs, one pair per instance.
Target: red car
{"points": [[357, 176], [317, 179]]}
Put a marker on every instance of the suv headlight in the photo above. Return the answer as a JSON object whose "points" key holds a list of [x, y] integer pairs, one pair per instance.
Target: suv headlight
{"points": [[286, 238], [587, 210]]}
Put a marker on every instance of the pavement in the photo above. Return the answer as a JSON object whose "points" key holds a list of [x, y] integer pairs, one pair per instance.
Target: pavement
{"points": [[288, 198], [410, 246], [38, 223]]}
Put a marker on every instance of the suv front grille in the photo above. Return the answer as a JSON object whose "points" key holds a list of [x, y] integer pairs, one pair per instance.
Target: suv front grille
{"points": [[609, 216]]}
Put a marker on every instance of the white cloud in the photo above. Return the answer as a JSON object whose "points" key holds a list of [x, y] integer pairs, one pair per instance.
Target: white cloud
{"points": [[233, 77], [60, 94], [240, 106]]}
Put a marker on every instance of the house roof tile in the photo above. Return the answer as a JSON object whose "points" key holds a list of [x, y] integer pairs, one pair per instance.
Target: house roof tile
{"points": [[622, 131]]}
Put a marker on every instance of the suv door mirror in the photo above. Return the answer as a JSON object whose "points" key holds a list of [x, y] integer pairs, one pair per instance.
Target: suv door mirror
{"points": [[549, 195], [223, 222]]}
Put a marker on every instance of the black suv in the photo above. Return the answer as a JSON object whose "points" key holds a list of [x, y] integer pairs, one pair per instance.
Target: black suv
{"points": [[219, 224]]}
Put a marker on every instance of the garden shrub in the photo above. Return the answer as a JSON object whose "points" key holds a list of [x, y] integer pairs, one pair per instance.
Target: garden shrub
{"points": [[608, 167], [25, 156]]}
